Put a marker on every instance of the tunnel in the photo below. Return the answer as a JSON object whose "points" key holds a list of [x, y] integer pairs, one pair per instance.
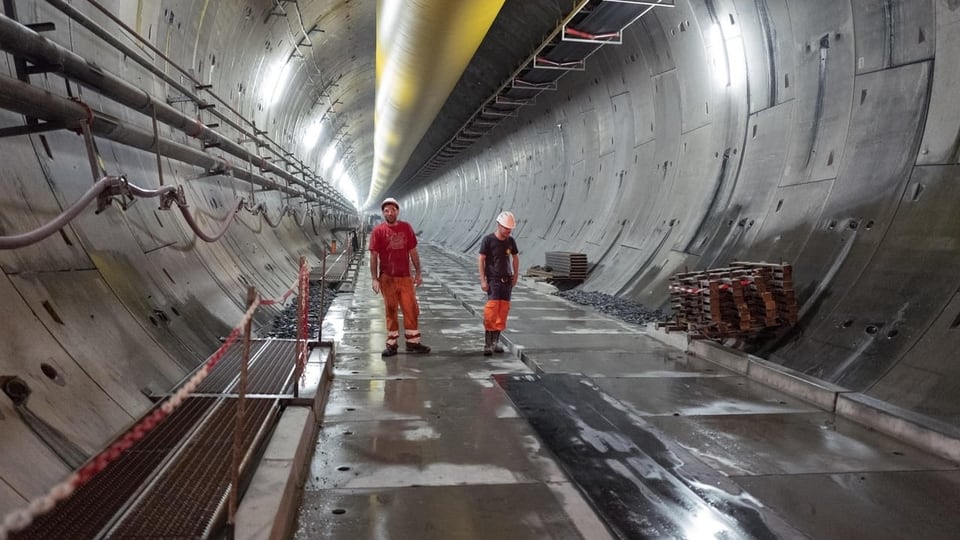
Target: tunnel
{"points": [[162, 157]]}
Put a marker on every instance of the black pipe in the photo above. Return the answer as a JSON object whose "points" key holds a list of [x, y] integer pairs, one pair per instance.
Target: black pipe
{"points": [[23, 42], [24, 98], [134, 55]]}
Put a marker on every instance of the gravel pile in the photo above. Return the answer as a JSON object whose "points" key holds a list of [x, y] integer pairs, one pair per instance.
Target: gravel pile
{"points": [[285, 324], [625, 310]]}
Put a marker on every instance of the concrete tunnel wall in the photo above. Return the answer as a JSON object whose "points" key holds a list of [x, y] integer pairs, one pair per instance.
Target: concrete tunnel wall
{"points": [[126, 303], [820, 133], [823, 134]]}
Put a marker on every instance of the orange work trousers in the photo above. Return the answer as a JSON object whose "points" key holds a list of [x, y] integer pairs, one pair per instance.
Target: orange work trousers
{"points": [[495, 315], [498, 303], [399, 294]]}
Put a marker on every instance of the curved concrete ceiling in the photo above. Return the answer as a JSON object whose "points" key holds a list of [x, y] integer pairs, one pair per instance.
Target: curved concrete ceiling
{"points": [[825, 134], [423, 47]]}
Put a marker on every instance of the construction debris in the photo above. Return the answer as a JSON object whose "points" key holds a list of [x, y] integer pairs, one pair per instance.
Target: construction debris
{"points": [[562, 268], [622, 308], [741, 301], [567, 265]]}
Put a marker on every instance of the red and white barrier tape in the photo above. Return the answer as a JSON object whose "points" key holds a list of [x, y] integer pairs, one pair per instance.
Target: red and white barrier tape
{"points": [[22, 518]]}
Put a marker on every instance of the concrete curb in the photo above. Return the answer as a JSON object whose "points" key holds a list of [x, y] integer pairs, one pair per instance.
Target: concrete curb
{"points": [[921, 431], [271, 502]]}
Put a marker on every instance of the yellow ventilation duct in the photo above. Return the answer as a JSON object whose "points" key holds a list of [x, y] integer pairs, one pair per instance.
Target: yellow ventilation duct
{"points": [[423, 46]]}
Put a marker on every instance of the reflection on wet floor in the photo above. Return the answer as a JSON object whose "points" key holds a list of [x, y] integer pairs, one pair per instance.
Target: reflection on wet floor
{"points": [[602, 430]]}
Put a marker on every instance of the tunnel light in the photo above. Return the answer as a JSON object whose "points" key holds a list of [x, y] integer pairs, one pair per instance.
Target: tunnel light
{"points": [[338, 170], [312, 135], [328, 157], [737, 62], [713, 40], [728, 65], [349, 190], [274, 82]]}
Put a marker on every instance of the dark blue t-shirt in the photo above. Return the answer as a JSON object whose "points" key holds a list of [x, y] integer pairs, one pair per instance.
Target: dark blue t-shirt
{"points": [[499, 253]]}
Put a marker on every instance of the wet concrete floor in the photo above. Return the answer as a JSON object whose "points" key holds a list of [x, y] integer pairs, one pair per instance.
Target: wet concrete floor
{"points": [[599, 431]]}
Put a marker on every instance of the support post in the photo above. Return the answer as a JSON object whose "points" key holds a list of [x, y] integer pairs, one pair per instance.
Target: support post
{"points": [[238, 428]]}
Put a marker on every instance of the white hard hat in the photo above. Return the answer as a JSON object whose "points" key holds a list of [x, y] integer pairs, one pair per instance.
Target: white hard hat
{"points": [[389, 200], [507, 220]]}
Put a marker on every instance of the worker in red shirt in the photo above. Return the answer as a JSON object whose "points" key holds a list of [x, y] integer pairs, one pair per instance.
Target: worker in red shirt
{"points": [[393, 246]]}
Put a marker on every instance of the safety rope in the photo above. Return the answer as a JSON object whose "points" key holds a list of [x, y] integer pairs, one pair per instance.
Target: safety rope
{"points": [[20, 519], [283, 299], [303, 316]]}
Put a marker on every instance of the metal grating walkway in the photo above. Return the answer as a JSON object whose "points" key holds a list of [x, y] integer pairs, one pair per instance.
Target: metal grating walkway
{"points": [[174, 482]]}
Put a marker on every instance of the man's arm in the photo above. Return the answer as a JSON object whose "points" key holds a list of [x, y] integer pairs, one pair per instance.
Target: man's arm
{"points": [[415, 257], [516, 269], [375, 270], [481, 264]]}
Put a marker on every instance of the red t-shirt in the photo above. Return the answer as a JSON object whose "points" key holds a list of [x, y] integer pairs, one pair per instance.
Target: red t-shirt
{"points": [[393, 245]]}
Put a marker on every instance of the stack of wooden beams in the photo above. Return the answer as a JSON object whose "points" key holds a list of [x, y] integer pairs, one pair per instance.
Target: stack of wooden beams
{"points": [[740, 301]]}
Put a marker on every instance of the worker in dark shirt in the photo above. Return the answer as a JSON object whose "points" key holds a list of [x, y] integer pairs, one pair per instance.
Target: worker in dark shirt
{"points": [[499, 265]]}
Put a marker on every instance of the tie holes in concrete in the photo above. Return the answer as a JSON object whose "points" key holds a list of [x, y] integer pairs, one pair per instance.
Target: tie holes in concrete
{"points": [[49, 371]]}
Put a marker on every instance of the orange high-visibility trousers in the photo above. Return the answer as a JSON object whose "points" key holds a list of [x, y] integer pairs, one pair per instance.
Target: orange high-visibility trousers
{"points": [[399, 294], [495, 315], [498, 303]]}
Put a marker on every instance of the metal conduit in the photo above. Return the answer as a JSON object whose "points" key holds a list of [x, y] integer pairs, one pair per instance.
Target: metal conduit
{"points": [[20, 41], [134, 55], [24, 98]]}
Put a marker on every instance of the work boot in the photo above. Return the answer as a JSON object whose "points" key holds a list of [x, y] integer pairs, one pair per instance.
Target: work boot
{"points": [[488, 343], [417, 348], [495, 340], [389, 351]]}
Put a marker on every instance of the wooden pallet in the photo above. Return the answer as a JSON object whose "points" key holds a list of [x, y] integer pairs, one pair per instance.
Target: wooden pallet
{"points": [[741, 300]]}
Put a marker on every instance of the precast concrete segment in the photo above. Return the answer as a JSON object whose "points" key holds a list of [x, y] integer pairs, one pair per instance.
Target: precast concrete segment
{"points": [[720, 423], [193, 94], [768, 131], [95, 504], [142, 492], [430, 440], [640, 484]]}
